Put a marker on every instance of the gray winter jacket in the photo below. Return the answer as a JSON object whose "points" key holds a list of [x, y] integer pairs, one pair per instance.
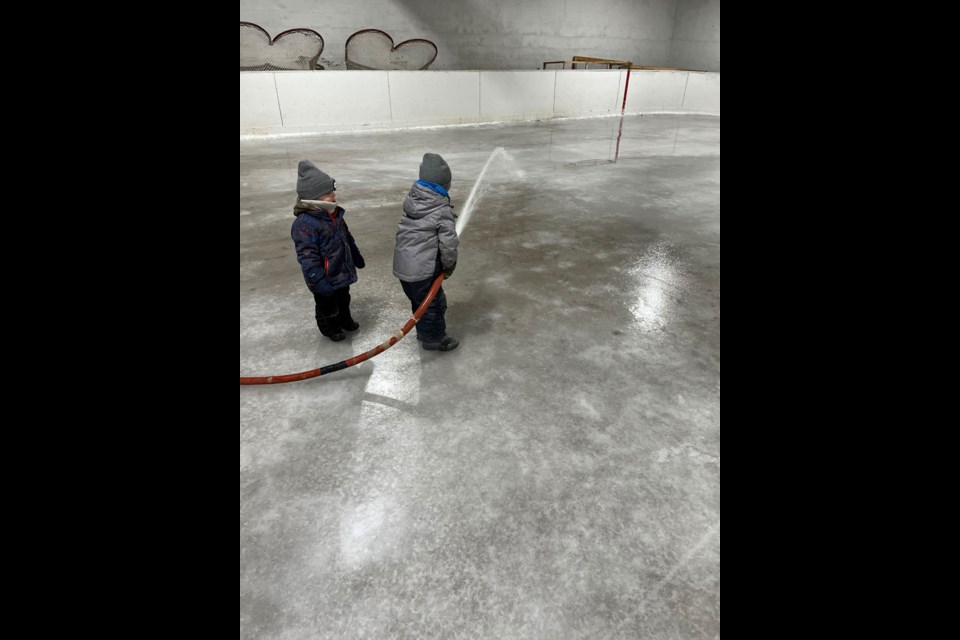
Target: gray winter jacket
{"points": [[427, 231]]}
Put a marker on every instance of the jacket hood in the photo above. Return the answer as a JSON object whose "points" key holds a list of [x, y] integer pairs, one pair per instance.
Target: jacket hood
{"points": [[421, 202]]}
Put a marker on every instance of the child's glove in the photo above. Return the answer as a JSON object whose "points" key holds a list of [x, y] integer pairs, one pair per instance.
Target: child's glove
{"points": [[449, 271]]}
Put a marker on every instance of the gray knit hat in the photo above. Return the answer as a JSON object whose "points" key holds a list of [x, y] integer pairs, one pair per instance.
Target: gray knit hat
{"points": [[435, 169], [312, 183]]}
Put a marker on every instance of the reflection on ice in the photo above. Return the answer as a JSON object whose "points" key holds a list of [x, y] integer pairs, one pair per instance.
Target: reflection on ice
{"points": [[656, 280]]}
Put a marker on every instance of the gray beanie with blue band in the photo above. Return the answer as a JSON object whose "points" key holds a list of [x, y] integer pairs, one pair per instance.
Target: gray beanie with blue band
{"points": [[435, 169]]}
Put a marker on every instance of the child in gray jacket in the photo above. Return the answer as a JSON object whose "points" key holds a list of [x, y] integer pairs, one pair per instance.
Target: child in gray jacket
{"points": [[426, 245]]}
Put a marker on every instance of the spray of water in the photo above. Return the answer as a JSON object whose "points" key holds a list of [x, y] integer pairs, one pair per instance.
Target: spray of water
{"points": [[508, 162]]}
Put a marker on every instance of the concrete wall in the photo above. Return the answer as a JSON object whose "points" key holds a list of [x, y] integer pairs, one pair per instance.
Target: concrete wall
{"points": [[311, 101], [696, 35], [487, 34]]}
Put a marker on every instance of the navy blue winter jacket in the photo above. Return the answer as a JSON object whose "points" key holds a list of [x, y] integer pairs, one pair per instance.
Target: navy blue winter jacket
{"points": [[326, 250]]}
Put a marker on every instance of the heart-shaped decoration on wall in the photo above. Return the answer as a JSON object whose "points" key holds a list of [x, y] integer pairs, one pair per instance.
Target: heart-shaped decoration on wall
{"points": [[292, 49], [374, 49]]}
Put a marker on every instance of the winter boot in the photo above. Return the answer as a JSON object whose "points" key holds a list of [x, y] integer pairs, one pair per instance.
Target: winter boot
{"points": [[447, 343], [330, 327]]}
